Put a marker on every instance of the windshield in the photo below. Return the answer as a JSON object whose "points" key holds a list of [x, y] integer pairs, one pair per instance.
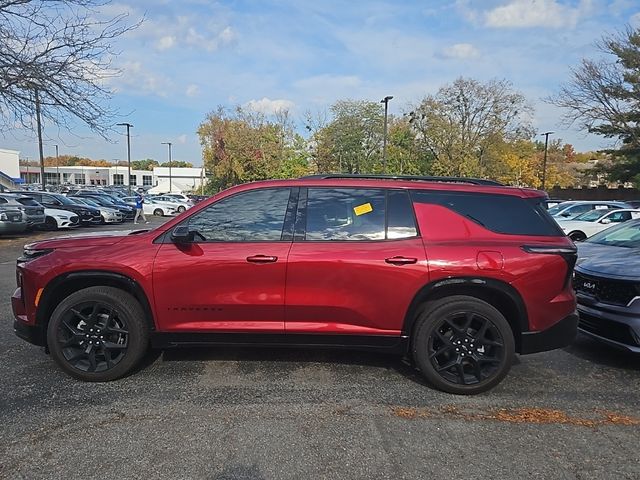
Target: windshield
{"points": [[559, 208], [64, 200], [625, 235], [86, 201], [592, 215]]}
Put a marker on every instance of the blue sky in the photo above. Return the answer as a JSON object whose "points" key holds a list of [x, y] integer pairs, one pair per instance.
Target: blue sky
{"points": [[190, 56]]}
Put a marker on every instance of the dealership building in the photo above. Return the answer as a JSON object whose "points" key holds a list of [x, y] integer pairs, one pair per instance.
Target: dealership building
{"points": [[159, 180]]}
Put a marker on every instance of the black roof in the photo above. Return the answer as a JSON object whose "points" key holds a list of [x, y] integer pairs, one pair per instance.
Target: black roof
{"points": [[473, 181]]}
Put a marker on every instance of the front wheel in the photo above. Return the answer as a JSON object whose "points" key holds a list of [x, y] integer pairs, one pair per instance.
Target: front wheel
{"points": [[463, 345], [50, 224], [577, 236], [181, 209], [158, 212], [98, 334]]}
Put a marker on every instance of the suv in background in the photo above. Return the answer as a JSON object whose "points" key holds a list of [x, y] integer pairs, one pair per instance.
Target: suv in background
{"points": [[607, 282], [455, 276], [11, 218], [32, 211]]}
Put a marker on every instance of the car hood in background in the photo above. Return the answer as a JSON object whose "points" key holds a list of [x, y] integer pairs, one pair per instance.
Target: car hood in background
{"points": [[609, 261], [82, 240]]}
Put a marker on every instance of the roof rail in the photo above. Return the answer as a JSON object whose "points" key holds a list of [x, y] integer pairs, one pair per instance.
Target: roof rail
{"points": [[473, 181]]}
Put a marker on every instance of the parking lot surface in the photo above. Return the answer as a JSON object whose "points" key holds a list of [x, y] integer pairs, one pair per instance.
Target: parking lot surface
{"points": [[236, 413]]}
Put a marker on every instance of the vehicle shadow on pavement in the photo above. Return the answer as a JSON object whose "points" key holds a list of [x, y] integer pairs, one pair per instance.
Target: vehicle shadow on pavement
{"points": [[295, 356], [588, 349]]}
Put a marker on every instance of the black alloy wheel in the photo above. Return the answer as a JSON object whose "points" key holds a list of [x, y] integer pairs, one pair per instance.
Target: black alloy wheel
{"points": [[158, 212], [98, 334], [50, 224], [463, 345], [577, 236]]}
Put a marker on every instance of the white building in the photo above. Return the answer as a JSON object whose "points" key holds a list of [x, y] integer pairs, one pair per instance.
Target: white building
{"points": [[10, 163], [183, 179]]}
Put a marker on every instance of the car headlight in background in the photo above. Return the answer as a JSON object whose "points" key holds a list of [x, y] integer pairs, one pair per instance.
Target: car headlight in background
{"points": [[62, 217]]}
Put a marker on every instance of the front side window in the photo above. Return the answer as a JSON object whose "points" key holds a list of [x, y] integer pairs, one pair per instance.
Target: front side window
{"points": [[257, 215], [345, 214]]}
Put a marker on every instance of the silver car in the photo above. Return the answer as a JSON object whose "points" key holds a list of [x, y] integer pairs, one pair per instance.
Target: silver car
{"points": [[11, 219], [32, 211]]}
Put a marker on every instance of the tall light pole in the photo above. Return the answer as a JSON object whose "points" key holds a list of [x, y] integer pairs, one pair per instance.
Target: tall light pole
{"points": [[129, 126], [169, 145], [544, 162], [57, 166], [385, 100], [39, 126]]}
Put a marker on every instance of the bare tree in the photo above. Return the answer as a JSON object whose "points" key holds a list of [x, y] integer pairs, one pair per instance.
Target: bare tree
{"points": [[56, 55]]}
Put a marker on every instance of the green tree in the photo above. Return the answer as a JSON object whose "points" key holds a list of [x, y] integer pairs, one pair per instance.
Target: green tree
{"points": [[146, 164], [462, 125], [602, 96], [176, 163]]}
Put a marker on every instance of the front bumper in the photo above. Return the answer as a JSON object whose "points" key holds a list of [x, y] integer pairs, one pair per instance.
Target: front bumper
{"points": [[34, 334], [559, 335], [617, 326]]}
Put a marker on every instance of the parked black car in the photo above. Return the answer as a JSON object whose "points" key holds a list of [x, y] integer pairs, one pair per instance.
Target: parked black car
{"points": [[88, 215], [607, 284], [127, 211]]}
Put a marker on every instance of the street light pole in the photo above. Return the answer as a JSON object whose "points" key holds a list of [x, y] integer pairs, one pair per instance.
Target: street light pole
{"points": [[129, 126], [544, 161], [57, 166], [39, 126], [169, 145], [385, 100]]}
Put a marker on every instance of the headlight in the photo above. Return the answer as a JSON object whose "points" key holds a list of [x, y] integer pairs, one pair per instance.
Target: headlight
{"points": [[62, 217], [3, 216], [31, 253]]}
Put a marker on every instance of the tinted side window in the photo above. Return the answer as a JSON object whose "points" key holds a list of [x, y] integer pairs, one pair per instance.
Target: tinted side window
{"points": [[499, 213], [29, 202], [580, 209], [257, 215], [345, 214], [3, 200], [400, 219]]}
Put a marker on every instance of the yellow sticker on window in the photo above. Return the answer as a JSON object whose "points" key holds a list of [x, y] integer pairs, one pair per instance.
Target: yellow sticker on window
{"points": [[362, 209]]}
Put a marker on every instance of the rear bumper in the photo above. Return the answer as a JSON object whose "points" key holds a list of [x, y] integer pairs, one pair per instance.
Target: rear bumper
{"points": [[559, 335]]}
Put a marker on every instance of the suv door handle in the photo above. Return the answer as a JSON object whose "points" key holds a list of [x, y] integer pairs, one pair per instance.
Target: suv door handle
{"points": [[399, 260], [262, 259]]}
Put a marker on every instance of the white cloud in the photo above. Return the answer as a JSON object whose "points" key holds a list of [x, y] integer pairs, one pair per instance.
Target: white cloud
{"points": [[460, 51], [136, 77], [192, 90], [227, 35], [182, 139], [269, 106], [536, 13], [165, 42], [634, 21]]}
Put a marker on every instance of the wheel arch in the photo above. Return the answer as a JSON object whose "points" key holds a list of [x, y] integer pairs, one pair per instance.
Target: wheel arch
{"points": [[497, 293], [63, 285]]}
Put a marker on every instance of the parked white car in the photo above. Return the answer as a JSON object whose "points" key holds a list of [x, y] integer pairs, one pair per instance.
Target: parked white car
{"points": [[56, 219], [571, 209], [151, 206], [594, 221], [182, 205]]}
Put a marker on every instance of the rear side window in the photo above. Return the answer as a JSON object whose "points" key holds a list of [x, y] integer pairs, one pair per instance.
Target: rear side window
{"points": [[401, 221], [499, 213], [3, 200], [345, 214]]}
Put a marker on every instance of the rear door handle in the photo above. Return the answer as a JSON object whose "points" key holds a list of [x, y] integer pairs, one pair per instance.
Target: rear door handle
{"points": [[399, 260], [262, 259]]}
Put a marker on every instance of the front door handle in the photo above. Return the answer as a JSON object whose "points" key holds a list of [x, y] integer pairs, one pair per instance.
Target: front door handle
{"points": [[399, 260], [262, 259]]}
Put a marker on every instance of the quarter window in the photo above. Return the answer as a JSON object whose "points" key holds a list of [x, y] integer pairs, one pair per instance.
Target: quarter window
{"points": [[401, 222], [257, 215], [345, 214]]}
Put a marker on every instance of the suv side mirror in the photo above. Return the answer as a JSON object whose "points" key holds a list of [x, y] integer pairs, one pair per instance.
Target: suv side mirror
{"points": [[565, 214], [182, 234], [605, 220]]}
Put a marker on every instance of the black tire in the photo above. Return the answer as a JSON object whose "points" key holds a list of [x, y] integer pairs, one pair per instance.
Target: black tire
{"points": [[98, 334], [158, 212], [462, 345], [102, 220], [181, 209], [50, 224], [577, 236]]}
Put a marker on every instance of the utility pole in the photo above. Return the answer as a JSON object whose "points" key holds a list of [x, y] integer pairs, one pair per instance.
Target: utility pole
{"points": [[385, 100], [39, 125], [544, 161], [57, 166], [169, 145], [129, 126]]}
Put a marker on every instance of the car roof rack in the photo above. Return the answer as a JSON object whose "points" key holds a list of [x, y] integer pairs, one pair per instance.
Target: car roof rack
{"points": [[473, 181]]}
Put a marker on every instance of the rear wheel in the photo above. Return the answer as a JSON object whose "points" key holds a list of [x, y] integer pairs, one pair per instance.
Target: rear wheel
{"points": [[463, 345], [158, 212], [577, 236], [98, 334]]}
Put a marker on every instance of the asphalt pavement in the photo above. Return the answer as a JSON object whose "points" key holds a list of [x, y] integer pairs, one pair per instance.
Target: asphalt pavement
{"points": [[238, 413]]}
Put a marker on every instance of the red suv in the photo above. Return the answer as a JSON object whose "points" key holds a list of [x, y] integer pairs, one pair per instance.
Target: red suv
{"points": [[455, 274]]}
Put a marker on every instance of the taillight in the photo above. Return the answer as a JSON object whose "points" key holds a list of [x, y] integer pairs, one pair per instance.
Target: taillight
{"points": [[568, 253]]}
